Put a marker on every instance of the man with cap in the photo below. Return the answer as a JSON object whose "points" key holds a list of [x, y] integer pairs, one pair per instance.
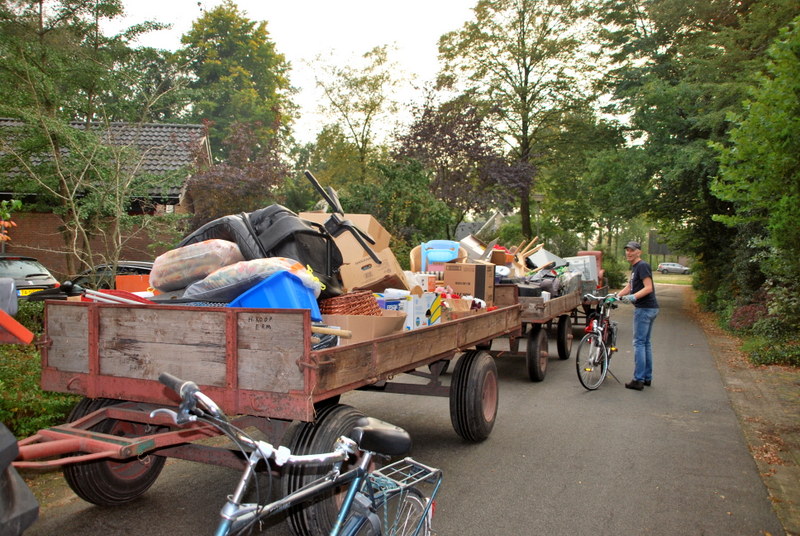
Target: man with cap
{"points": [[641, 292]]}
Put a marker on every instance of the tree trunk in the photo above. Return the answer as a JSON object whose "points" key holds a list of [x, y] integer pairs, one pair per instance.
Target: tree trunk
{"points": [[525, 213]]}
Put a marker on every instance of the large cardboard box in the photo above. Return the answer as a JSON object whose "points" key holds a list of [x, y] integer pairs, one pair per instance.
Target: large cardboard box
{"points": [[366, 328], [365, 273], [475, 280], [351, 249]]}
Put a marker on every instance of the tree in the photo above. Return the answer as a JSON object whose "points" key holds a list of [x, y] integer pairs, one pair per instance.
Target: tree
{"points": [[239, 77], [760, 171], [523, 59], [468, 172], [360, 99], [679, 68], [249, 179], [58, 67]]}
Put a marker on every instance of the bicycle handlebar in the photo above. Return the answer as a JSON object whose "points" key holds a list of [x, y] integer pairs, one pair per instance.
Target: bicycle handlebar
{"points": [[607, 297]]}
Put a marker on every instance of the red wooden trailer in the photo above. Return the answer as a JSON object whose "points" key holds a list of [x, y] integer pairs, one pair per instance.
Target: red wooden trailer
{"points": [[255, 363]]}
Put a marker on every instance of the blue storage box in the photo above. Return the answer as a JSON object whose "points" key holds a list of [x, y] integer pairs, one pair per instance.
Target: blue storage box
{"points": [[280, 291]]}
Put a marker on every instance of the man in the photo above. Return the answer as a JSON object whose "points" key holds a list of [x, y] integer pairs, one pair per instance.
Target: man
{"points": [[641, 292]]}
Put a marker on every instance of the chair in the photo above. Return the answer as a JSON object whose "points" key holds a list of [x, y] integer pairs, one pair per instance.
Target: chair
{"points": [[416, 258], [438, 251]]}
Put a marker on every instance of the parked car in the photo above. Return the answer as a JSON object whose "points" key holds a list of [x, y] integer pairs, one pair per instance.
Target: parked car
{"points": [[29, 274], [672, 268], [103, 276]]}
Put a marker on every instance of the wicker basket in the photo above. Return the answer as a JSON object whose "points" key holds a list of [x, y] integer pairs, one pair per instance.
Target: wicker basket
{"points": [[360, 302]]}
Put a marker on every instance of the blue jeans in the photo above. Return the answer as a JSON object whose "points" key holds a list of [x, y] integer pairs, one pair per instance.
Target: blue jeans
{"points": [[643, 319]]}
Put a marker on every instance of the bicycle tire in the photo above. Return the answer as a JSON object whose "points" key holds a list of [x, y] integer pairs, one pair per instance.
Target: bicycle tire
{"points": [[591, 361], [400, 515], [316, 517]]}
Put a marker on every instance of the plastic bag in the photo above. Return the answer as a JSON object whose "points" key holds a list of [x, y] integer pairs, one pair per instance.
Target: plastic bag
{"points": [[182, 266], [227, 283]]}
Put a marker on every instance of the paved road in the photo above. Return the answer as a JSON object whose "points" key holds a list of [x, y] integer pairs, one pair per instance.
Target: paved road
{"points": [[560, 461]]}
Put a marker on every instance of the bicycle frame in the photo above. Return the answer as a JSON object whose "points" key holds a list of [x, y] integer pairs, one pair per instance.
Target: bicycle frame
{"points": [[236, 515]]}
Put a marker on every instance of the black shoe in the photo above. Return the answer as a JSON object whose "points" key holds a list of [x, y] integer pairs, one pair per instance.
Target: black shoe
{"points": [[635, 384], [647, 383]]}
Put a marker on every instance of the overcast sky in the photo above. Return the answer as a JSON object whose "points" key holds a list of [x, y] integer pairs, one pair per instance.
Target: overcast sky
{"points": [[305, 29]]}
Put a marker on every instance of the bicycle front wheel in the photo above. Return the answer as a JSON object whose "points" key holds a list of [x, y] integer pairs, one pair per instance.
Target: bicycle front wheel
{"points": [[591, 361], [402, 513]]}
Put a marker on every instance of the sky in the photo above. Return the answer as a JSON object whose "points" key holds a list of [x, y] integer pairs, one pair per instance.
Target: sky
{"points": [[302, 30]]}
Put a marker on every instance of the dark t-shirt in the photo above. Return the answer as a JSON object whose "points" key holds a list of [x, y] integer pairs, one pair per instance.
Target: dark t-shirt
{"points": [[639, 272]]}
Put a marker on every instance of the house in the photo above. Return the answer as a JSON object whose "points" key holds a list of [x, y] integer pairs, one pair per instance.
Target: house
{"points": [[163, 148]]}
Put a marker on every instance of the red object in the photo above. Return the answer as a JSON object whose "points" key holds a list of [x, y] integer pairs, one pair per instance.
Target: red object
{"points": [[12, 332]]}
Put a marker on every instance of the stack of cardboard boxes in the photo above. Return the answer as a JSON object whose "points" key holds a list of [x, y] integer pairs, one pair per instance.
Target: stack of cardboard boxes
{"points": [[407, 304]]}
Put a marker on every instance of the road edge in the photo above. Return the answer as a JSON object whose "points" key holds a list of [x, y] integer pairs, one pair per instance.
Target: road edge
{"points": [[766, 400]]}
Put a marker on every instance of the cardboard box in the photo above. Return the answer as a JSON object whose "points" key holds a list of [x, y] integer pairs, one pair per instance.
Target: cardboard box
{"points": [[426, 310], [351, 249], [365, 273], [421, 309], [475, 280], [366, 328]]}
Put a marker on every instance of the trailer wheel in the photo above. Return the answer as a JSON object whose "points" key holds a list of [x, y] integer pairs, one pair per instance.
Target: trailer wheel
{"points": [[111, 482], [537, 355], [565, 337], [317, 517], [474, 395]]}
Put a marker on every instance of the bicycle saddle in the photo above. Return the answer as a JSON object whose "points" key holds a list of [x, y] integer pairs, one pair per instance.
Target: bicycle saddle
{"points": [[381, 437]]}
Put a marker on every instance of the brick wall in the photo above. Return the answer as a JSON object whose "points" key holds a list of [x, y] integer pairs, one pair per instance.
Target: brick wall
{"points": [[37, 235]]}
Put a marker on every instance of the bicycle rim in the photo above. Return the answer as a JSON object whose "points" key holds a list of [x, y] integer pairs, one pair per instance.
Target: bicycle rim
{"points": [[591, 362]]}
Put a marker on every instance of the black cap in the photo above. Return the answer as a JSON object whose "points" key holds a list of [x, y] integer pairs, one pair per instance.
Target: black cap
{"points": [[633, 245]]}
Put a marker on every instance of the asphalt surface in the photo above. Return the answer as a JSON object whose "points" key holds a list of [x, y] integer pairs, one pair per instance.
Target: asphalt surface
{"points": [[669, 460]]}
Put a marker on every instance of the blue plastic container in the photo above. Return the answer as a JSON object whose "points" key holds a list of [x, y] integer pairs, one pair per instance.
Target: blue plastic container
{"points": [[280, 291]]}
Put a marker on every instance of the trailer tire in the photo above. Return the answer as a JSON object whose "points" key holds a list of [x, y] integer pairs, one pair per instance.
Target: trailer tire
{"points": [[111, 482], [565, 337], [474, 395], [537, 354], [316, 518]]}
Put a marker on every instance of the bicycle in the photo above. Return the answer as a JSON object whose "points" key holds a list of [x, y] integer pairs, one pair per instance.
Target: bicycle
{"points": [[599, 343], [380, 502]]}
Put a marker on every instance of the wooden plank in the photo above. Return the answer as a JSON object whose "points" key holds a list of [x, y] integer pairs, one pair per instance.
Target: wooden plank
{"points": [[67, 326], [366, 363], [270, 346], [505, 295], [142, 342]]}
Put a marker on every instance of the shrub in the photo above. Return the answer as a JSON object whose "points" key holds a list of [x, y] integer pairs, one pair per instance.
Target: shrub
{"points": [[764, 351], [745, 317], [24, 407]]}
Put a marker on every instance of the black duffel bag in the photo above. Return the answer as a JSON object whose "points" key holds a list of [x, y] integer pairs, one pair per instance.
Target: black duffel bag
{"points": [[276, 231]]}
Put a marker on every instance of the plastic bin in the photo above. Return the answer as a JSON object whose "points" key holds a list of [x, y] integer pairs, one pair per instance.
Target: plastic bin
{"points": [[280, 291]]}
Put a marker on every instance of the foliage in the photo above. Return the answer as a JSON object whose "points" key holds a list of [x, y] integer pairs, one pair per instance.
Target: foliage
{"points": [[238, 77], [679, 68], [467, 172], [24, 407], [760, 174], [402, 202], [360, 98], [521, 59], [765, 351], [7, 206], [249, 179]]}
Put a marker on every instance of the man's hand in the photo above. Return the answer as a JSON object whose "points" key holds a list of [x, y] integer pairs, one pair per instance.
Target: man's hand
{"points": [[629, 298]]}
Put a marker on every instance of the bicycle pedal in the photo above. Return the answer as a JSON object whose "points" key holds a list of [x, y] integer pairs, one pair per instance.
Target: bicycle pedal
{"points": [[613, 348]]}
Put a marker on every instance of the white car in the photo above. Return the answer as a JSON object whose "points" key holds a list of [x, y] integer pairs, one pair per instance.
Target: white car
{"points": [[672, 268]]}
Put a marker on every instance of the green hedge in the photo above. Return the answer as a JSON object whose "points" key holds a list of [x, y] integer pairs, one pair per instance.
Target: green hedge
{"points": [[24, 407]]}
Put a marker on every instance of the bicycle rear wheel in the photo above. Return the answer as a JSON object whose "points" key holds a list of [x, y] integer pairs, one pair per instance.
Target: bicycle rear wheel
{"points": [[401, 514], [591, 361]]}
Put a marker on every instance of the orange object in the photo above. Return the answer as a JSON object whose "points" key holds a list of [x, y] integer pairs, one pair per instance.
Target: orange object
{"points": [[133, 283], [12, 332]]}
